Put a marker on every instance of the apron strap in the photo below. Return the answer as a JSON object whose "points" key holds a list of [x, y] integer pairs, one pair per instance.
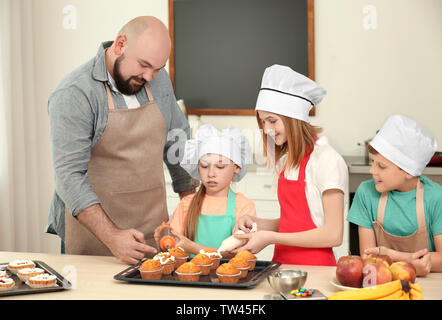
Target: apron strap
{"points": [[149, 94], [231, 202], [420, 211], [110, 100]]}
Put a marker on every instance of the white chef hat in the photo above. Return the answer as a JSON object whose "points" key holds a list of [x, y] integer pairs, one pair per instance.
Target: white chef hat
{"points": [[288, 93], [406, 143], [228, 142]]}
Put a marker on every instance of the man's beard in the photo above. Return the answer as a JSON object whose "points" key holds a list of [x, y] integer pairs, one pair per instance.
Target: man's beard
{"points": [[123, 85]]}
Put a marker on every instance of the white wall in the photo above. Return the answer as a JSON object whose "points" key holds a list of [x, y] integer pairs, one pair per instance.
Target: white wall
{"points": [[369, 74]]}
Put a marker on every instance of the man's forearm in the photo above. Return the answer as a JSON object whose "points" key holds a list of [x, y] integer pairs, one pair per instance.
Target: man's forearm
{"points": [[96, 221]]}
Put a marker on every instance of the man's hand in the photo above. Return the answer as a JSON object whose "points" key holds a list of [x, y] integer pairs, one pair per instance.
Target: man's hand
{"points": [[129, 246]]}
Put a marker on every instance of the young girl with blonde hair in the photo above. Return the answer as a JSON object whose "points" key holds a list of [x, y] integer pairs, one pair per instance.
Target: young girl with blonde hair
{"points": [[216, 158], [312, 176]]}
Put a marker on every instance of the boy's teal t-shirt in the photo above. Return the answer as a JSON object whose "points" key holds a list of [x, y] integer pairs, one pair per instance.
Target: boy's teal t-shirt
{"points": [[400, 212]]}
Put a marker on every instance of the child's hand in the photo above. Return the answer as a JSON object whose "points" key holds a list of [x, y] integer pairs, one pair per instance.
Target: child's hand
{"points": [[185, 243], [256, 241], [156, 236], [245, 223], [422, 262]]}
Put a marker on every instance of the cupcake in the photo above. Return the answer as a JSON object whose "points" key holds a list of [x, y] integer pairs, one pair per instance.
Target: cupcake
{"points": [[44, 280], [6, 284], [214, 255], [250, 257], [228, 273], [204, 262], [3, 274], [15, 265], [167, 261], [25, 273], [241, 264], [180, 256], [188, 271], [151, 269]]}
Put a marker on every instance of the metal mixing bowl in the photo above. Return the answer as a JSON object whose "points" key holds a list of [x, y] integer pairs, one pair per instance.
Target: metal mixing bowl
{"points": [[286, 280]]}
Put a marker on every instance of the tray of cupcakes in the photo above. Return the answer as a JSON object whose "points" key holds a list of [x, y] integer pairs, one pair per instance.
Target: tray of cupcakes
{"points": [[208, 268], [24, 276]]}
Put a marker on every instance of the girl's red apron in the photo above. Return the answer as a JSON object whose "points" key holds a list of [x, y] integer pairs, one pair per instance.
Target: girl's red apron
{"points": [[295, 217]]}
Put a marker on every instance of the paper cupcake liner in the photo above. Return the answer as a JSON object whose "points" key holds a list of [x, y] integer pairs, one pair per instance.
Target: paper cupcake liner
{"points": [[38, 286], [7, 288]]}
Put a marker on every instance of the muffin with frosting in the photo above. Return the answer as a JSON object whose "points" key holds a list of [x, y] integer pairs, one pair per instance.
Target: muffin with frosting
{"points": [[188, 271], [44, 280], [16, 265], [214, 255], [204, 262], [241, 264], [3, 274], [6, 283], [167, 261], [250, 257], [228, 273], [180, 256], [25, 273], [151, 269]]}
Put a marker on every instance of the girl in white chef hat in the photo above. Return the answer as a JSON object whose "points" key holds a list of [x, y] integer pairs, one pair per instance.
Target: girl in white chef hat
{"points": [[216, 158], [312, 176], [407, 227]]}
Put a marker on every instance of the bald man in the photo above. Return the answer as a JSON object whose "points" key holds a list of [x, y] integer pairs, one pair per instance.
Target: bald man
{"points": [[109, 123]]}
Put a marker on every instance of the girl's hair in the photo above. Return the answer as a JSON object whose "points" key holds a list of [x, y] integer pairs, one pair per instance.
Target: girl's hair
{"points": [[191, 221], [301, 138], [372, 150]]}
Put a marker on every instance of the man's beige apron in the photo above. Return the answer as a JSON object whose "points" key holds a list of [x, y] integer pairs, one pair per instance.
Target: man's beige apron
{"points": [[412, 243], [126, 173]]}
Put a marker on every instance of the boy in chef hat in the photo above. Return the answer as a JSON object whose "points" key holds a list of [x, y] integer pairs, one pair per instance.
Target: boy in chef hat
{"points": [[407, 227], [312, 176], [216, 158]]}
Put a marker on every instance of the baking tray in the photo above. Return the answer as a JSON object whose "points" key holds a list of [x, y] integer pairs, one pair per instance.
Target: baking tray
{"points": [[22, 288], [262, 269]]}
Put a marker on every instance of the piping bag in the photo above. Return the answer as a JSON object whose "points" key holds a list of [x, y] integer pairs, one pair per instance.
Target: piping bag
{"points": [[167, 241], [232, 242]]}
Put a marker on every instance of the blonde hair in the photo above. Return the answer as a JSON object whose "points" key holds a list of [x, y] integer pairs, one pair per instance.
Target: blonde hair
{"points": [[301, 138], [192, 217]]}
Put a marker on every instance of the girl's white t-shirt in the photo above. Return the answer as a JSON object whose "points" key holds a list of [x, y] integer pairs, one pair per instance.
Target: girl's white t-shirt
{"points": [[326, 169]]}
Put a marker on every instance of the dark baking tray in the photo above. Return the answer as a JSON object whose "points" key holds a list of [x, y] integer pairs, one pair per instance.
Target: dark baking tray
{"points": [[262, 269], [22, 288]]}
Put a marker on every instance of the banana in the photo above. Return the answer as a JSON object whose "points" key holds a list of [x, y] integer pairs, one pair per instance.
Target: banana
{"points": [[396, 295], [370, 293], [416, 295], [416, 287], [404, 296]]}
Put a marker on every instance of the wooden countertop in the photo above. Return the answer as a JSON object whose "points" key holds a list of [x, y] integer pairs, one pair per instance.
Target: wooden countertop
{"points": [[94, 280]]}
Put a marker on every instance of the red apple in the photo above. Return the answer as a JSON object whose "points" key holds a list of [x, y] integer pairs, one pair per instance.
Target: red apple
{"points": [[349, 271], [402, 270], [375, 274], [373, 258]]}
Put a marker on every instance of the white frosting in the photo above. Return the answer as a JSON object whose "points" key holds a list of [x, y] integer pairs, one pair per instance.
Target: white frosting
{"points": [[30, 270], [3, 274], [164, 257], [21, 263], [6, 281], [43, 277], [211, 255]]}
